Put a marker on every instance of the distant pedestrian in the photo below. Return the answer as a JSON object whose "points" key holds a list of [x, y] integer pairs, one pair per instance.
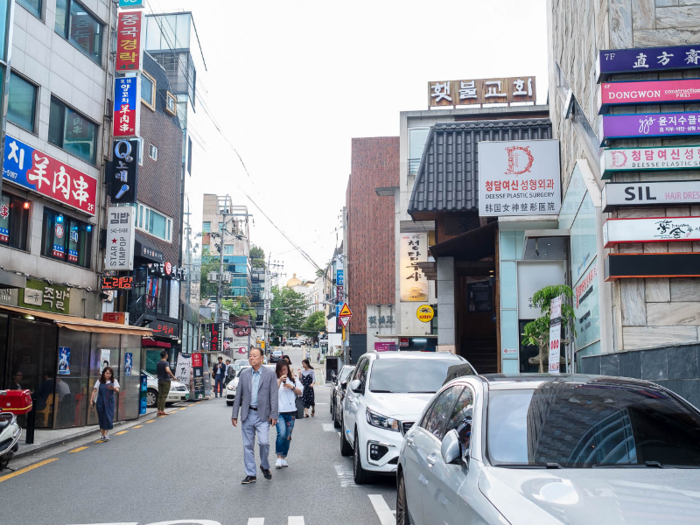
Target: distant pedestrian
{"points": [[288, 390], [257, 399], [103, 399], [230, 373], [219, 373], [308, 378], [308, 353], [17, 381], [318, 357], [164, 376]]}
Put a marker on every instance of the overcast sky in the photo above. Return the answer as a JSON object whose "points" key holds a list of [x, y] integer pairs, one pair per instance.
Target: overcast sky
{"points": [[292, 82]]}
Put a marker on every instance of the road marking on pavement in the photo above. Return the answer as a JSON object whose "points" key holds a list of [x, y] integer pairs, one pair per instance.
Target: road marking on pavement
{"points": [[345, 475], [328, 427], [321, 403], [151, 421], [121, 433], [138, 426], [27, 469], [295, 520], [79, 449], [256, 521], [161, 417], [384, 513], [99, 441]]}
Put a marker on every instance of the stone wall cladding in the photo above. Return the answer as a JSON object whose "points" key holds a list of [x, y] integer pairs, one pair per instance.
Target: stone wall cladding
{"points": [[370, 265]]}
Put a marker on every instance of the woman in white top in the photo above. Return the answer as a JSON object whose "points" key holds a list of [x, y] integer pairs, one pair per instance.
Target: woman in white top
{"points": [[289, 389], [103, 397]]}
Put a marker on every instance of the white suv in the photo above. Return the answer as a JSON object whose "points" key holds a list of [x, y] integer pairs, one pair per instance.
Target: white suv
{"points": [[385, 395]]}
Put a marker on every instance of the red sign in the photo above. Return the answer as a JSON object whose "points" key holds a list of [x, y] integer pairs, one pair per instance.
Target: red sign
{"points": [[197, 360], [403, 342], [649, 92], [168, 268], [129, 36], [117, 283], [162, 328], [114, 317], [241, 328]]}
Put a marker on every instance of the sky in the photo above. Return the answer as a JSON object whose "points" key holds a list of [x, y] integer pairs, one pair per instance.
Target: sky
{"points": [[290, 83]]}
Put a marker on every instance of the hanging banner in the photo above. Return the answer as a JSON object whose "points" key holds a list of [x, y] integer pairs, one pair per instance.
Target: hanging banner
{"points": [[130, 29], [625, 194], [183, 369], [120, 238], [63, 361], [648, 92], [104, 359], [38, 172], [638, 159], [128, 363], [554, 347], [647, 59], [126, 116], [648, 125], [125, 166], [414, 283], [656, 229]]}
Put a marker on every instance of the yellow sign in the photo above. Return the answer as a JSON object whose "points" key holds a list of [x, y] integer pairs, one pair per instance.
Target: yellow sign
{"points": [[425, 313], [343, 333], [345, 311], [262, 345]]}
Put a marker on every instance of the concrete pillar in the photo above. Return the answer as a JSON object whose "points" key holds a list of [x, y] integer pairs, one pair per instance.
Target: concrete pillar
{"points": [[446, 304]]}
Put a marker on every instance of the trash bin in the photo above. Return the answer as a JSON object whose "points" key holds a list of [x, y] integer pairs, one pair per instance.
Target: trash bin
{"points": [[332, 367]]}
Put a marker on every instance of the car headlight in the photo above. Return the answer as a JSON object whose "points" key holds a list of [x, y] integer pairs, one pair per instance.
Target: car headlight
{"points": [[231, 386], [380, 421]]}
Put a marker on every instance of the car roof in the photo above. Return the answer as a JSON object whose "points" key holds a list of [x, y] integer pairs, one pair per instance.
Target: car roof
{"points": [[409, 354], [533, 381]]}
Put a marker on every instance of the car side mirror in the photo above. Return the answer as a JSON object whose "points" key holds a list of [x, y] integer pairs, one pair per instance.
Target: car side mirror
{"points": [[451, 448], [344, 385], [356, 386]]}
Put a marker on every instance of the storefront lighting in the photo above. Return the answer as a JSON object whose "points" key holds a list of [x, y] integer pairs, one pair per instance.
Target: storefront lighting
{"points": [[29, 317], [420, 340], [26, 205], [59, 219], [89, 227]]}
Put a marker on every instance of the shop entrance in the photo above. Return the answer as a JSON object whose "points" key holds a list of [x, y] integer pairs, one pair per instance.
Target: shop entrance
{"points": [[476, 315]]}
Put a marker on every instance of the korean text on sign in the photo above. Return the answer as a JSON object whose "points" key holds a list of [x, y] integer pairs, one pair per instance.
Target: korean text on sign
{"points": [[129, 36], [481, 91]]}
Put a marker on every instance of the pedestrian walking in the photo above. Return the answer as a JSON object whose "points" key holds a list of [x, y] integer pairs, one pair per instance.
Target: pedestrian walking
{"points": [[103, 399], [164, 376], [257, 400], [308, 378], [230, 373], [288, 390], [219, 374]]}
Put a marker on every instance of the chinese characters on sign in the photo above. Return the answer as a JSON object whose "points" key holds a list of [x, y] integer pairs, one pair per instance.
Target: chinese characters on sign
{"points": [[125, 167], [453, 93], [648, 92], [519, 178], [635, 159], [127, 107], [381, 321], [414, 283], [120, 238], [36, 171], [656, 229], [648, 59], [129, 40], [43, 296], [118, 283], [649, 125]]}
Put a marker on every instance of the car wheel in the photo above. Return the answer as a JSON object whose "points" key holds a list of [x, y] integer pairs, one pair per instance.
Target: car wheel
{"points": [[345, 448], [361, 475], [151, 398], [401, 504]]}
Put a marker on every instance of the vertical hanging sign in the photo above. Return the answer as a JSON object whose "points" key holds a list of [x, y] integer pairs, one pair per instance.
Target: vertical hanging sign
{"points": [[127, 107], [555, 335], [120, 238], [130, 30]]}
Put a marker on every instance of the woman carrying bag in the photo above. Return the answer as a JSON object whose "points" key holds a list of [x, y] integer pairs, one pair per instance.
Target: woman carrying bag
{"points": [[289, 390], [103, 399]]}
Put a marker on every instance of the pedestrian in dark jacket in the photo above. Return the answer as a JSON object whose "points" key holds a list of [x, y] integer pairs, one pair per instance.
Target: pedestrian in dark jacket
{"points": [[219, 375]]}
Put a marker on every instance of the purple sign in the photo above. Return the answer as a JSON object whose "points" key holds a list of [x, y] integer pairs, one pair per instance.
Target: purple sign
{"points": [[649, 125], [385, 347], [648, 59]]}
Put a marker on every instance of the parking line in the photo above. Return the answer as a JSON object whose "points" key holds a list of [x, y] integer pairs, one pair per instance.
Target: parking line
{"points": [[295, 520], [151, 421], [137, 426], [384, 513], [121, 433], [79, 449], [27, 469], [256, 521]]}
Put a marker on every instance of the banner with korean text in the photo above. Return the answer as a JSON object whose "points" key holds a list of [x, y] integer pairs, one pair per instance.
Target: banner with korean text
{"points": [[130, 33], [414, 283], [642, 125], [127, 107], [120, 238], [636, 159]]}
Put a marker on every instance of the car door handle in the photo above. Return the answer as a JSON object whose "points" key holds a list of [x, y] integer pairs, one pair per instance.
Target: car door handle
{"points": [[409, 440], [431, 459]]}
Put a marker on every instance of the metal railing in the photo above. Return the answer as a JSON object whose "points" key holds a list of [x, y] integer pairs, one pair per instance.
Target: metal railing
{"points": [[413, 165]]}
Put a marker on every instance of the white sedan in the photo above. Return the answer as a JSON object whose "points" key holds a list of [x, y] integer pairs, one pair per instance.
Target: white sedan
{"points": [[178, 391]]}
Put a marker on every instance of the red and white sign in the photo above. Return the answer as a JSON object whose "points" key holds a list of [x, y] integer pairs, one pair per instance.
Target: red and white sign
{"points": [[655, 229], [636, 159], [648, 92], [555, 308], [130, 30], [403, 342], [127, 107], [59, 231], [519, 178], [554, 347], [168, 268], [242, 350], [344, 321]]}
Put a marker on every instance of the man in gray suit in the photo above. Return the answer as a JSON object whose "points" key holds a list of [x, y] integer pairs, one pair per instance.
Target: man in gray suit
{"points": [[256, 396]]}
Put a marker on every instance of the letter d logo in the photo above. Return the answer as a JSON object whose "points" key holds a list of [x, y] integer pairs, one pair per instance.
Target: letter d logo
{"points": [[516, 160]]}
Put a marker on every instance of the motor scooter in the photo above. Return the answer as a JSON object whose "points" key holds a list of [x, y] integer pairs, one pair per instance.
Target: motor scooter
{"points": [[10, 433]]}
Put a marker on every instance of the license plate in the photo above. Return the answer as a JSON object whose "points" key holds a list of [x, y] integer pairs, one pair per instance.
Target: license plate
{"points": [[187, 397]]}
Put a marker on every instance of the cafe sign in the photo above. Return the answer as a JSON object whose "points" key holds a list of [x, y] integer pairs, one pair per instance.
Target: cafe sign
{"points": [[451, 93], [648, 92], [643, 159], [40, 295], [656, 229], [643, 125], [625, 194], [647, 59]]}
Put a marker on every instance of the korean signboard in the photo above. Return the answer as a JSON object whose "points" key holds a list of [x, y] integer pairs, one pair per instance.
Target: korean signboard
{"points": [[452, 93], [656, 229], [414, 283], [127, 107], [120, 238], [587, 308], [339, 277], [39, 295], [38, 172], [624, 194], [131, 4], [115, 317], [649, 125], [130, 29], [216, 331], [163, 329], [519, 178], [554, 347], [183, 370], [124, 179], [167, 269], [118, 283], [147, 252], [637, 159], [648, 92], [643, 265], [648, 59]]}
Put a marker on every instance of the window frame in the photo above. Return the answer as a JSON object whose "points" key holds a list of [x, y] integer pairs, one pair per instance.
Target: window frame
{"points": [[35, 113], [442, 428], [67, 36], [151, 149], [39, 15], [170, 97], [22, 246], [207, 229], [67, 221], [93, 161], [143, 212], [152, 107]]}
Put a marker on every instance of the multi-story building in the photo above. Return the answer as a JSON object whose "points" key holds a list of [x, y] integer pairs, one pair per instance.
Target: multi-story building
{"points": [[257, 299]]}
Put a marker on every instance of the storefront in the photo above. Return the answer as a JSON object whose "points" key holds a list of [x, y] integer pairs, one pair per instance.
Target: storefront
{"points": [[60, 357]]}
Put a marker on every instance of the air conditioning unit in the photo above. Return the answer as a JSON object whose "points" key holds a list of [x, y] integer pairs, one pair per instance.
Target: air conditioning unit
{"points": [[228, 277], [212, 277]]}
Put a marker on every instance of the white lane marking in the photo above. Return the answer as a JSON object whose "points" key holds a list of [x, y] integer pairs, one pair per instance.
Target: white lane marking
{"points": [[321, 403], [295, 520], [384, 513], [345, 475], [256, 521], [328, 427]]}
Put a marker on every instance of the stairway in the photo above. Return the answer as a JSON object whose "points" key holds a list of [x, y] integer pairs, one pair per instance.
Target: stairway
{"points": [[482, 353]]}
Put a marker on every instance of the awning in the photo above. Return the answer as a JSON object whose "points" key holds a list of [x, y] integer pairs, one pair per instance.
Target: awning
{"points": [[473, 245], [80, 324], [12, 280], [146, 250], [151, 343]]}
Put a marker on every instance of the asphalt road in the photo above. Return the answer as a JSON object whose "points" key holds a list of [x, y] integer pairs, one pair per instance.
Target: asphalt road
{"points": [[187, 468]]}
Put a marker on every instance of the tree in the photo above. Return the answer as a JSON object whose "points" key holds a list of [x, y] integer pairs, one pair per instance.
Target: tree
{"points": [[287, 310], [257, 257], [316, 322], [537, 332], [239, 307], [208, 290]]}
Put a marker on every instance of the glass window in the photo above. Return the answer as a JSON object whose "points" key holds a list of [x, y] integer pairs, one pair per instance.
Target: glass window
{"points": [[33, 6], [4, 13], [148, 90], [154, 223], [153, 151], [14, 221], [80, 28], [163, 296], [416, 143], [582, 425], [21, 105], [66, 238], [72, 132], [439, 413], [206, 227], [228, 249], [400, 376], [461, 419]]}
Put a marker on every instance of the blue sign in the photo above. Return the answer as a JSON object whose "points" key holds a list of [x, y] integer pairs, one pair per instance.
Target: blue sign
{"points": [[125, 93], [144, 390], [128, 363], [63, 361], [126, 4], [647, 59], [339, 278]]}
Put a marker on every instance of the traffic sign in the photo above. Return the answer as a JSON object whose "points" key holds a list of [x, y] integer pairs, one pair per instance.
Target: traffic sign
{"points": [[345, 311], [344, 321]]}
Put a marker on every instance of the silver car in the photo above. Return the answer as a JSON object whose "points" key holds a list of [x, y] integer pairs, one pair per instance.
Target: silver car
{"points": [[539, 449]]}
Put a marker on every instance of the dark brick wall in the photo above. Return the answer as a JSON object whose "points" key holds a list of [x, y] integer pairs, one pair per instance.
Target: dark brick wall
{"points": [[370, 250]]}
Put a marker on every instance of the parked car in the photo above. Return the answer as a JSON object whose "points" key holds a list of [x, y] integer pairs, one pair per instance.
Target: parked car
{"points": [[276, 356], [338, 393], [568, 449], [386, 395], [178, 391], [296, 342], [231, 387]]}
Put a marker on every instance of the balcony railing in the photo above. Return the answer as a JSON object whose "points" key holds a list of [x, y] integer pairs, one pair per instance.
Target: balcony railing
{"points": [[413, 165]]}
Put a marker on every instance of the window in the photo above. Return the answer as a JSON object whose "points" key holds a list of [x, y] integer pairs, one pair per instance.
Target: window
{"points": [[228, 249], [21, 106], [72, 132], [14, 221], [439, 413], [148, 90], [66, 238], [33, 6], [206, 227], [221, 226], [403, 376], [153, 151], [80, 28], [171, 104], [154, 223], [416, 143], [140, 152], [461, 419]]}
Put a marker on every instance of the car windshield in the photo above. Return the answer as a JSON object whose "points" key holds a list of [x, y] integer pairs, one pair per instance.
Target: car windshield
{"points": [[277, 353], [401, 376], [345, 373], [602, 423]]}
